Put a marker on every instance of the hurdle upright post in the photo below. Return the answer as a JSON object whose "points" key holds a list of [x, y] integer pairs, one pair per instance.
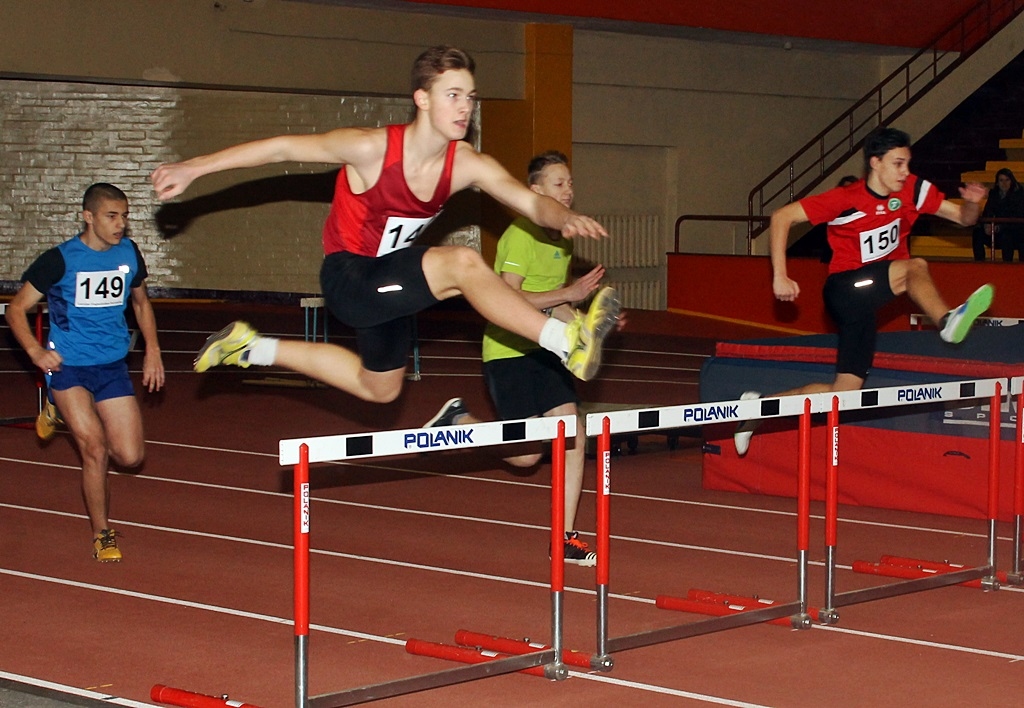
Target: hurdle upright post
{"points": [[556, 669], [802, 620], [990, 582], [1016, 577], [828, 614], [301, 576], [602, 660]]}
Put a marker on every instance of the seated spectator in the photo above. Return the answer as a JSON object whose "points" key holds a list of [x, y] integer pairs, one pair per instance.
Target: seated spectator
{"points": [[1005, 200]]}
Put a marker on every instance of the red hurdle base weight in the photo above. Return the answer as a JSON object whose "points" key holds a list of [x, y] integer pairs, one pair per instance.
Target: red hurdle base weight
{"points": [[716, 604], [188, 699], [466, 638], [912, 568], [463, 654]]}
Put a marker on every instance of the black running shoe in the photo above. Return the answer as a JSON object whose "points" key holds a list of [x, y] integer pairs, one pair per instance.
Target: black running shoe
{"points": [[449, 412], [577, 552]]}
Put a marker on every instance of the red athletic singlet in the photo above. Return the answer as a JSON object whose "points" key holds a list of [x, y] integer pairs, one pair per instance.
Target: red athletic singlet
{"points": [[387, 216], [864, 227]]}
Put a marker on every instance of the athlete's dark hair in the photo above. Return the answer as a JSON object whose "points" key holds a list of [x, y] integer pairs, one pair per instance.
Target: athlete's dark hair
{"points": [[539, 162], [435, 61], [99, 191], [880, 141]]}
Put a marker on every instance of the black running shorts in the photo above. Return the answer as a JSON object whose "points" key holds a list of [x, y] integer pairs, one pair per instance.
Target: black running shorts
{"points": [[852, 299], [530, 385], [378, 297]]}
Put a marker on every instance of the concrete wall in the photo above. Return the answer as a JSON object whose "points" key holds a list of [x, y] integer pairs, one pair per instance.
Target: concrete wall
{"points": [[276, 44], [168, 81], [92, 92], [723, 115]]}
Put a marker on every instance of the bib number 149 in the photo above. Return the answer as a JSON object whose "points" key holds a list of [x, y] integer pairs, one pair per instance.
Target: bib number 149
{"points": [[100, 289]]}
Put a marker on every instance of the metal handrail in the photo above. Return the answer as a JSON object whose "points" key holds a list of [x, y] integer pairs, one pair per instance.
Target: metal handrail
{"points": [[813, 162], [717, 217]]}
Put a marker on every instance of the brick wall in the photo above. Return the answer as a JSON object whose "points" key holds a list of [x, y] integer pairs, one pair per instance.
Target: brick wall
{"points": [[255, 230]]}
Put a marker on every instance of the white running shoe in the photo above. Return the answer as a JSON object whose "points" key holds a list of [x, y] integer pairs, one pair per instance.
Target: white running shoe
{"points": [[959, 321], [745, 430]]}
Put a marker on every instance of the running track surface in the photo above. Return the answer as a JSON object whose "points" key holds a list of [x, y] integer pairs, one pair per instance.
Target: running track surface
{"points": [[422, 546]]}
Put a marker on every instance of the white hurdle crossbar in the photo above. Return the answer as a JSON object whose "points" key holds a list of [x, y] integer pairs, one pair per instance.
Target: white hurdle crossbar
{"points": [[331, 448], [917, 321], [300, 452], [643, 420]]}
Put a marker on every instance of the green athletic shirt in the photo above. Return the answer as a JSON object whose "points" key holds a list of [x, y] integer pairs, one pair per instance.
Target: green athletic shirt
{"points": [[527, 250]]}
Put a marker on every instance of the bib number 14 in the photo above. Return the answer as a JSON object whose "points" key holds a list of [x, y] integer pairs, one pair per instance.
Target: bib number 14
{"points": [[400, 232]]}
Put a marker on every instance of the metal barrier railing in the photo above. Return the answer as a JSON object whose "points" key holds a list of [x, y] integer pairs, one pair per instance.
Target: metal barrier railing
{"points": [[890, 98]]}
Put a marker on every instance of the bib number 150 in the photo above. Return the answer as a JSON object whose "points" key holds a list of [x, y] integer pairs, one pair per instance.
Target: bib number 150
{"points": [[879, 242]]}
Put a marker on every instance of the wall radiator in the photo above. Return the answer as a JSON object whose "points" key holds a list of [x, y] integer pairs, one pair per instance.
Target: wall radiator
{"points": [[633, 255]]}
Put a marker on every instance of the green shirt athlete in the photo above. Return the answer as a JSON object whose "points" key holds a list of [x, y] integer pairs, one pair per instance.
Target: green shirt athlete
{"points": [[543, 261]]}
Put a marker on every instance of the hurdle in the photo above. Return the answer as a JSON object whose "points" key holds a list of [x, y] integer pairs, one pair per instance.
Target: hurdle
{"points": [[750, 611], [917, 575], [604, 425], [301, 452], [41, 309], [311, 309], [1016, 576]]}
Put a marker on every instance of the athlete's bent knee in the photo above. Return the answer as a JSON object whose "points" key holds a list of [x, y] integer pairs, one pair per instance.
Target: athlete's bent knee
{"points": [[917, 266], [466, 257], [129, 458], [379, 388]]}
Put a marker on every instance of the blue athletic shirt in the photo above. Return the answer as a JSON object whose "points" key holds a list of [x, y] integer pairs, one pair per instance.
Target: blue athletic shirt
{"points": [[87, 293]]}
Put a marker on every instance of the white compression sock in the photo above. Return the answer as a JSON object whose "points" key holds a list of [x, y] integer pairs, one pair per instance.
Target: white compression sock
{"points": [[552, 337], [263, 351]]}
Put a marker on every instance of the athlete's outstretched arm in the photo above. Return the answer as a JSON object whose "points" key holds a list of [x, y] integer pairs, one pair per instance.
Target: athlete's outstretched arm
{"points": [[339, 146], [485, 172], [967, 213]]}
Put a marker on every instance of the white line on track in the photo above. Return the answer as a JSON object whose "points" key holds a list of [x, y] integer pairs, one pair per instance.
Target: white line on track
{"points": [[393, 641], [596, 677], [73, 690], [922, 643], [651, 688], [486, 480], [322, 552]]}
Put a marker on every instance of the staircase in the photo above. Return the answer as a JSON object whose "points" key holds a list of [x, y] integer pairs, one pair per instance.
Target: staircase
{"points": [[905, 95], [973, 133]]}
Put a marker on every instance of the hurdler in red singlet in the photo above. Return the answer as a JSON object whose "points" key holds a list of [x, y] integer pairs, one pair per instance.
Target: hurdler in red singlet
{"points": [[387, 216]]}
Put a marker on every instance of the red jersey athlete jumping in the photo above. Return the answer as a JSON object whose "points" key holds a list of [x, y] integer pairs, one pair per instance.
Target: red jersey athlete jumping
{"points": [[868, 224], [393, 182]]}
